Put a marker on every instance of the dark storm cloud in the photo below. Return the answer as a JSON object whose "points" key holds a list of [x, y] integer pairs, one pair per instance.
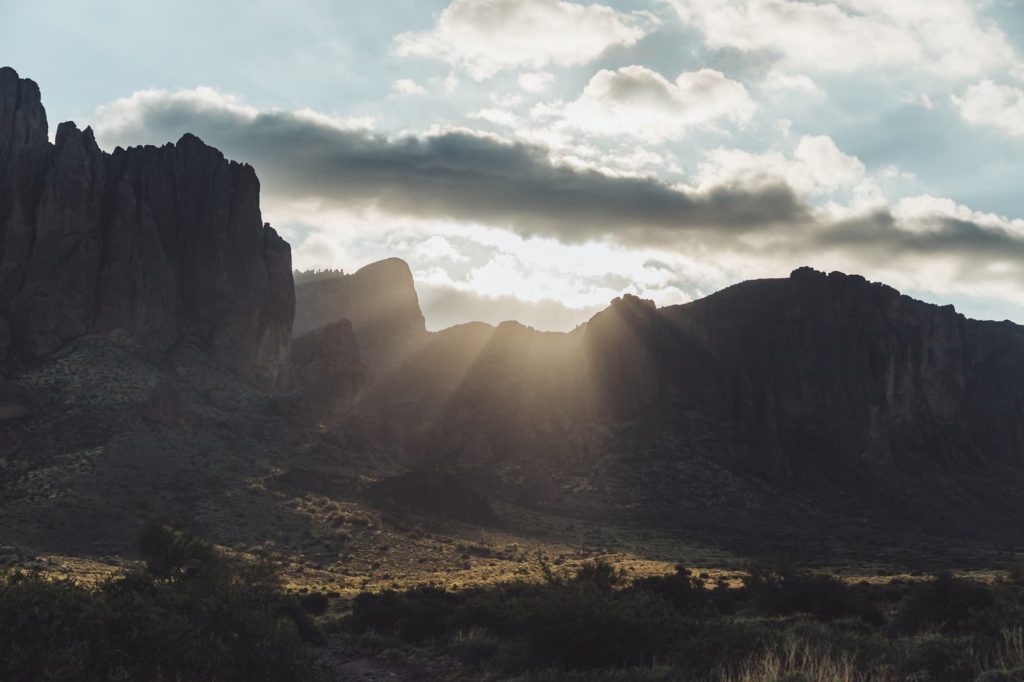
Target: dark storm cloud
{"points": [[879, 233], [461, 175], [467, 176]]}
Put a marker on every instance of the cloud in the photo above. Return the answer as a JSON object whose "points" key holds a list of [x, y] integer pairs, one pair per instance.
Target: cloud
{"points": [[641, 103], [535, 81], [446, 306], [815, 168], [407, 86], [455, 173], [781, 84], [995, 106], [497, 116], [945, 38], [483, 37], [752, 214], [473, 272]]}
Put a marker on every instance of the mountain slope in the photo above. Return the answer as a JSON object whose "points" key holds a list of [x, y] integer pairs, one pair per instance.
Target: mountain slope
{"points": [[806, 404]]}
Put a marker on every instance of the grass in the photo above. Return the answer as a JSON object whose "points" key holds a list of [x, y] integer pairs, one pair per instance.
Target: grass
{"points": [[797, 661]]}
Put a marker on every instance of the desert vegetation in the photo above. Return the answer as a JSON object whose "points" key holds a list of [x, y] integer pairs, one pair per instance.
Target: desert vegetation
{"points": [[782, 623], [191, 613]]}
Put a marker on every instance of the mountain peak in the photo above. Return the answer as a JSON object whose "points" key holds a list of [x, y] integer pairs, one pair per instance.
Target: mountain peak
{"points": [[81, 257], [379, 299]]}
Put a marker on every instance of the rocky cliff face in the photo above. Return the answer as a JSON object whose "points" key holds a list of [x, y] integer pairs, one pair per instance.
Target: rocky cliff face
{"points": [[379, 300], [815, 371], [147, 245]]}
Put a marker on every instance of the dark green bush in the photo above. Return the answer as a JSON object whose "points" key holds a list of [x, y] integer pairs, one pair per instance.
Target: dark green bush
{"points": [[194, 616], [934, 657], [594, 625], [314, 603], [683, 591], [600, 574], [171, 552], [786, 590], [947, 604]]}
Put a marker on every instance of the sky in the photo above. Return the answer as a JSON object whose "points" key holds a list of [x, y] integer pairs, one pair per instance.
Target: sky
{"points": [[533, 159]]}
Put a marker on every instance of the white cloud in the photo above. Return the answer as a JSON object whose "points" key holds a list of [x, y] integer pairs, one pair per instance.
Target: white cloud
{"points": [[815, 168], [535, 81], [919, 100], [483, 37], [780, 84], [497, 116], [918, 213], [338, 122], [125, 113], [637, 102], [407, 86], [997, 106], [943, 37]]}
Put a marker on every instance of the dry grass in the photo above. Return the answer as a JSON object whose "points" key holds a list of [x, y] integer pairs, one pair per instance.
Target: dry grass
{"points": [[797, 660], [1010, 655]]}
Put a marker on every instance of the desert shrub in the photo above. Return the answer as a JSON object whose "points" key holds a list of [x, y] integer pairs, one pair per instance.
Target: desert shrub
{"points": [[1002, 676], [314, 603], [787, 590], [191, 615], [580, 622], [584, 624], [683, 591], [171, 552], [415, 616], [947, 604], [782, 624], [795, 660], [599, 573], [934, 657], [475, 646]]}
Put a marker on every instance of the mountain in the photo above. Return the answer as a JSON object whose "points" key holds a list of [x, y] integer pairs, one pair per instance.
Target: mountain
{"points": [[145, 311], [788, 374], [147, 246], [772, 375], [860, 400], [379, 300]]}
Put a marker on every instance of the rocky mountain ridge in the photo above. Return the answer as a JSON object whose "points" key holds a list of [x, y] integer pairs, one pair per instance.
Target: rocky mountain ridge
{"points": [[148, 246], [813, 372]]}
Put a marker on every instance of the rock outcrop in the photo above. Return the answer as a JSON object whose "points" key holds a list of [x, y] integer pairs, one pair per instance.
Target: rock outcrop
{"points": [[379, 300], [816, 371], [148, 246], [778, 377]]}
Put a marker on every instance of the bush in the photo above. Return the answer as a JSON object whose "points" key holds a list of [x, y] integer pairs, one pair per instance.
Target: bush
{"points": [[947, 604], [314, 603], [600, 574], [192, 615], [783, 624], [171, 552], [933, 657], [683, 591], [786, 590]]}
